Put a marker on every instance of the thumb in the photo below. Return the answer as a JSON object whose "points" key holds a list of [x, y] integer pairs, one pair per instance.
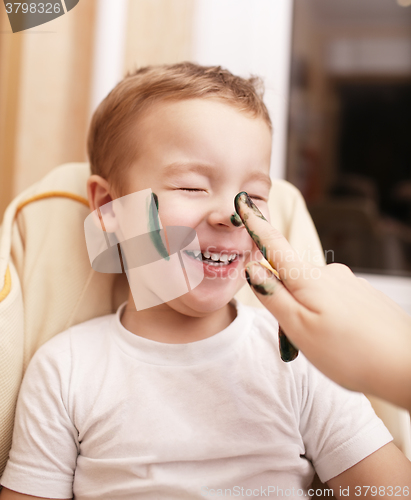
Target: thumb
{"points": [[277, 299]]}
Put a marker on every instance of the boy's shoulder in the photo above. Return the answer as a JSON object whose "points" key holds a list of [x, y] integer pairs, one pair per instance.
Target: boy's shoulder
{"points": [[87, 335]]}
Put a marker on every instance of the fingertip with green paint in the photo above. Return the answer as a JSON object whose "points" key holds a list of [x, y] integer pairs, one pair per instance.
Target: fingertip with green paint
{"points": [[288, 351], [243, 203], [261, 279]]}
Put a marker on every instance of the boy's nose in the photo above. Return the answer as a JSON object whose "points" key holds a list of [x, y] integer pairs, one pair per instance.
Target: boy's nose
{"points": [[225, 216]]}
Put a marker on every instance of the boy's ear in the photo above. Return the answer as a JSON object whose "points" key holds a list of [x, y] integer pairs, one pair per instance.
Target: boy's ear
{"points": [[100, 193]]}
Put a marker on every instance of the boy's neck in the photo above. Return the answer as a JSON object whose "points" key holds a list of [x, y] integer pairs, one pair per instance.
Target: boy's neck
{"points": [[164, 324]]}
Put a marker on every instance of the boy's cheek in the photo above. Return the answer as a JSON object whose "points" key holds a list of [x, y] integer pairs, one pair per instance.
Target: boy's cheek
{"points": [[177, 211], [177, 216]]}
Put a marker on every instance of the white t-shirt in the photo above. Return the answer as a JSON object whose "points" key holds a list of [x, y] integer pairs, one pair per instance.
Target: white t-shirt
{"points": [[106, 414]]}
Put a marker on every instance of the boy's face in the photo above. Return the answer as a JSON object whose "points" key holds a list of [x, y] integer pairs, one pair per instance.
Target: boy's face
{"points": [[196, 155]]}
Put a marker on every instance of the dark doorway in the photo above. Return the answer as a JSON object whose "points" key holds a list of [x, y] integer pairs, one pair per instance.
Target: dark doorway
{"points": [[375, 140]]}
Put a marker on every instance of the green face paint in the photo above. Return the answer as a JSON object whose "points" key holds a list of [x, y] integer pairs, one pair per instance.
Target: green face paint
{"points": [[235, 220], [154, 227]]}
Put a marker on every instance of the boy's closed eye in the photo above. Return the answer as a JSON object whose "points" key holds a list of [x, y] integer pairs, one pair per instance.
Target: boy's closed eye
{"points": [[256, 197], [193, 190]]}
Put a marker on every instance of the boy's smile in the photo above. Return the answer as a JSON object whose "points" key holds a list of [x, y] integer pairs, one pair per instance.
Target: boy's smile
{"points": [[196, 155]]}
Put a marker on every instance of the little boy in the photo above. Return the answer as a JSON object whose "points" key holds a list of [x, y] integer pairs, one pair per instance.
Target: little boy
{"points": [[189, 399]]}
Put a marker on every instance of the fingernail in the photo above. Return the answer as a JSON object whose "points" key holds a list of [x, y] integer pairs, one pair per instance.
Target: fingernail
{"points": [[288, 351], [236, 220], [260, 278]]}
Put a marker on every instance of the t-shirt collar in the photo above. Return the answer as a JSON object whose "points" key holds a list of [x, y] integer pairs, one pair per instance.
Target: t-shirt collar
{"points": [[159, 353]]}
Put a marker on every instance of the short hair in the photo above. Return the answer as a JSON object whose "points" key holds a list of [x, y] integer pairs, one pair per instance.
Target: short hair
{"points": [[110, 148]]}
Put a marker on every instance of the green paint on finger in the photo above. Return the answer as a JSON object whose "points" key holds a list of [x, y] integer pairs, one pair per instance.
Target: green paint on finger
{"points": [[243, 198], [242, 204], [265, 288], [257, 241], [288, 351]]}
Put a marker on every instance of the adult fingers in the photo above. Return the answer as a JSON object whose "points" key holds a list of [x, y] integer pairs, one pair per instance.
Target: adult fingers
{"points": [[272, 244], [278, 300]]}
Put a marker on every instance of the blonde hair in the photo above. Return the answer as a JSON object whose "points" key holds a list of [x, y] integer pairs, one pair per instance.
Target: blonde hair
{"points": [[110, 147]]}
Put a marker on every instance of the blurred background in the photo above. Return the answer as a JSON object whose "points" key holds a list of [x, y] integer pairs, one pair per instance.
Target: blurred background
{"points": [[349, 133], [338, 87]]}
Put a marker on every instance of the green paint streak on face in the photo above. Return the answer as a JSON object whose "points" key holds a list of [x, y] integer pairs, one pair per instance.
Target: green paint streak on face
{"points": [[287, 351], [235, 220], [154, 227], [155, 198]]}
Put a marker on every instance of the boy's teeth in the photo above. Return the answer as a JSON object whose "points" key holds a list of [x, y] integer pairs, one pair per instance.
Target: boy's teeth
{"points": [[221, 258]]}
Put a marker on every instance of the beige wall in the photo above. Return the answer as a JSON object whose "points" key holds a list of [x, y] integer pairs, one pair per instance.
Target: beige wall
{"points": [[54, 95], [158, 32], [10, 56], [45, 85], [45, 82]]}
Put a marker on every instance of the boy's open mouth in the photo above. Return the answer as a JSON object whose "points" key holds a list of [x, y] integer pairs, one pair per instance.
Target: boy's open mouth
{"points": [[213, 258]]}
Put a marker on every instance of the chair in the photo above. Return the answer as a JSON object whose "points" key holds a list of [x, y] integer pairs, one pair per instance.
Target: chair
{"points": [[48, 285]]}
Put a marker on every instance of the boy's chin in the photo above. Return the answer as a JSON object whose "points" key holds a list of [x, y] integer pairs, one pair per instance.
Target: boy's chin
{"points": [[206, 299]]}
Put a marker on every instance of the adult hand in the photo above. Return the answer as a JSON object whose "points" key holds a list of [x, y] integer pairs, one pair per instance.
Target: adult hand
{"points": [[350, 331]]}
